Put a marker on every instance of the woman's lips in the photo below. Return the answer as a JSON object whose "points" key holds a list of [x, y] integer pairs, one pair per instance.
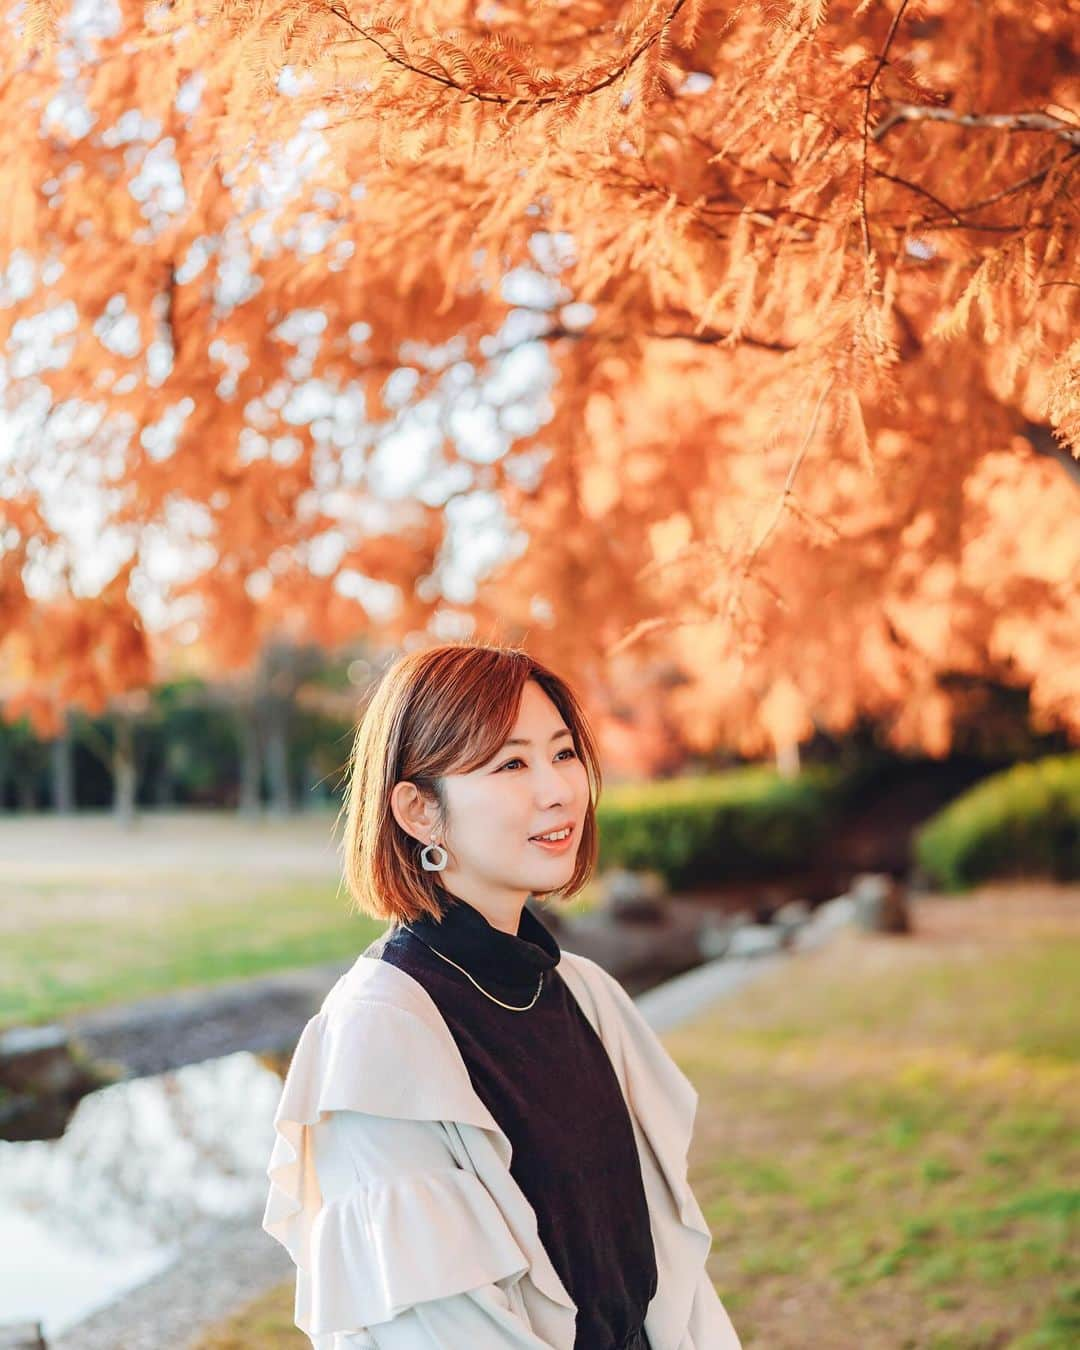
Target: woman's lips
{"points": [[556, 845]]}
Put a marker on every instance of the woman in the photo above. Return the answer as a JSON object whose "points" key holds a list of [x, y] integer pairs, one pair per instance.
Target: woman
{"points": [[481, 1144]]}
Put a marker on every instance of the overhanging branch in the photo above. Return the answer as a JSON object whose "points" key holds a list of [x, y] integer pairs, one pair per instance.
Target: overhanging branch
{"points": [[710, 337], [916, 112], [565, 92]]}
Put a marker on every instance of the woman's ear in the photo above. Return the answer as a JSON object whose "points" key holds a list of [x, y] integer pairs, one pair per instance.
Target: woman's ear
{"points": [[413, 812]]}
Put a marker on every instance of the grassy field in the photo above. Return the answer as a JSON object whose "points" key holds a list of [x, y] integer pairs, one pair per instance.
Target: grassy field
{"points": [[888, 1139], [94, 914], [48, 968]]}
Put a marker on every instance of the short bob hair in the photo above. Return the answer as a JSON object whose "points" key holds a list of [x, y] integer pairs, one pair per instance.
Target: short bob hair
{"points": [[441, 710]]}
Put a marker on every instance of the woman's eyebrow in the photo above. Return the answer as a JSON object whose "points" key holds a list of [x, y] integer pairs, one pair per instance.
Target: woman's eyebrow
{"points": [[565, 731]]}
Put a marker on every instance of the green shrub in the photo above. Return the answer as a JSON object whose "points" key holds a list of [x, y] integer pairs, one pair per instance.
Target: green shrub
{"points": [[1024, 821], [744, 822]]}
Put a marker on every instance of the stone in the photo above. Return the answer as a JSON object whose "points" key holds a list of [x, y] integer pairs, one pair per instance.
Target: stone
{"points": [[44, 1071], [714, 938], [792, 914], [880, 904], [755, 939], [869, 886], [36, 1059]]}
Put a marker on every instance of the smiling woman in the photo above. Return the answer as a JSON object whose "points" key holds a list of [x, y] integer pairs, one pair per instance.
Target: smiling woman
{"points": [[481, 750], [480, 1141]]}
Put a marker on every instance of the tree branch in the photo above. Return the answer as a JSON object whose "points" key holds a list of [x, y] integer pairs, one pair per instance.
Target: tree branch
{"points": [[506, 100], [915, 112], [711, 337], [883, 56], [922, 192]]}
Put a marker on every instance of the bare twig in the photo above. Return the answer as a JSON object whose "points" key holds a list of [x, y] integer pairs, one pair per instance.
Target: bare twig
{"points": [[1027, 121], [883, 56], [506, 100], [921, 191], [789, 482], [711, 337]]}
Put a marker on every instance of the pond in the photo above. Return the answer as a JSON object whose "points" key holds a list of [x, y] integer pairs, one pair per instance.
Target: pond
{"points": [[146, 1168]]}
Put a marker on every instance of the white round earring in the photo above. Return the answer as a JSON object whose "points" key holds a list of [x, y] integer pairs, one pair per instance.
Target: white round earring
{"points": [[427, 864]]}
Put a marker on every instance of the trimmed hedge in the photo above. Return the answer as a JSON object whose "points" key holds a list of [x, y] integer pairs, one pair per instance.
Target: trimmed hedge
{"points": [[744, 822], [1023, 821]]}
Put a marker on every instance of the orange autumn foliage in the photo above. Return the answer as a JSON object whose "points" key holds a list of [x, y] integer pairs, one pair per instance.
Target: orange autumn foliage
{"points": [[808, 428]]}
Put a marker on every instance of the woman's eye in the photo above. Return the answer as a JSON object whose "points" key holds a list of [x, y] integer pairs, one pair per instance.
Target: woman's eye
{"points": [[518, 760]]}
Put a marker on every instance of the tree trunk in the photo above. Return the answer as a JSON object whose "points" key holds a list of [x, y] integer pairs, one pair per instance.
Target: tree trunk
{"points": [[787, 760], [124, 775], [62, 763], [250, 761], [277, 756]]}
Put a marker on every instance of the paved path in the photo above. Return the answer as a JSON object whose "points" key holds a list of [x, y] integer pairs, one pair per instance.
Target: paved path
{"points": [[43, 846], [679, 999], [173, 1310]]}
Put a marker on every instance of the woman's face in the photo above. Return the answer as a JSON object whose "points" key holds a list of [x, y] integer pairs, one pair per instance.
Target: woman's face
{"points": [[523, 790]]}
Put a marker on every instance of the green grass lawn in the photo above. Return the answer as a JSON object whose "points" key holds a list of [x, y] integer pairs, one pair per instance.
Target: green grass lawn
{"points": [[889, 1148], [94, 914], [192, 935], [887, 1143]]}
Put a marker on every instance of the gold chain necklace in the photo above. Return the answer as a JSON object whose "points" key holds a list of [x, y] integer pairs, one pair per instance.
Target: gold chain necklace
{"points": [[512, 1007]]}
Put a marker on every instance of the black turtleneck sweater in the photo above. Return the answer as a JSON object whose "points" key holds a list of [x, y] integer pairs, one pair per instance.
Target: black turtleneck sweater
{"points": [[546, 1078]]}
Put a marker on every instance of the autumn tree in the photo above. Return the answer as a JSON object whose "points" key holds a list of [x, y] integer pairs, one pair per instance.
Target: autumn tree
{"points": [[753, 324]]}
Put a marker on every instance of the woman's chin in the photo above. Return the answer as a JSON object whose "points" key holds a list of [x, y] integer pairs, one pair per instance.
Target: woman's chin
{"points": [[541, 880]]}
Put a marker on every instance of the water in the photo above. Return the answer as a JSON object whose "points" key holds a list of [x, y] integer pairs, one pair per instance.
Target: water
{"points": [[145, 1169]]}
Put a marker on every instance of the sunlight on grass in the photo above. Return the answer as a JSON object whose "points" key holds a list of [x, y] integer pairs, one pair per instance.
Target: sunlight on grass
{"points": [[46, 971]]}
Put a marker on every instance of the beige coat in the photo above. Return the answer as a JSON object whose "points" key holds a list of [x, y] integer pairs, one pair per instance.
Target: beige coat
{"points": [[390, 1183]]}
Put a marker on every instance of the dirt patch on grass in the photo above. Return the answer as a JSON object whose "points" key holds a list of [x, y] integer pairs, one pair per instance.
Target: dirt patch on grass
{"points": [[995, 915]]}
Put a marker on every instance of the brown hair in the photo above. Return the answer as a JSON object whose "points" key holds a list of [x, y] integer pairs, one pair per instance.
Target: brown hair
{"points": [[442, 710]]}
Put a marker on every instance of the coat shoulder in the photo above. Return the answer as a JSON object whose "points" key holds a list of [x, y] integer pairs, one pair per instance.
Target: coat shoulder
{"points": [[379, 1044]]}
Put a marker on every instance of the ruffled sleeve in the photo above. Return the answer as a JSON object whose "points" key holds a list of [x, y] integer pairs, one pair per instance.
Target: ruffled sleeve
{"points": [[368, 1198], [353, 1056], [396, 1227]]}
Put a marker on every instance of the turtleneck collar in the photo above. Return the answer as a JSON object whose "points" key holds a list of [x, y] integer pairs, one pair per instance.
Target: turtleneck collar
{"points": [[500, 961]]}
